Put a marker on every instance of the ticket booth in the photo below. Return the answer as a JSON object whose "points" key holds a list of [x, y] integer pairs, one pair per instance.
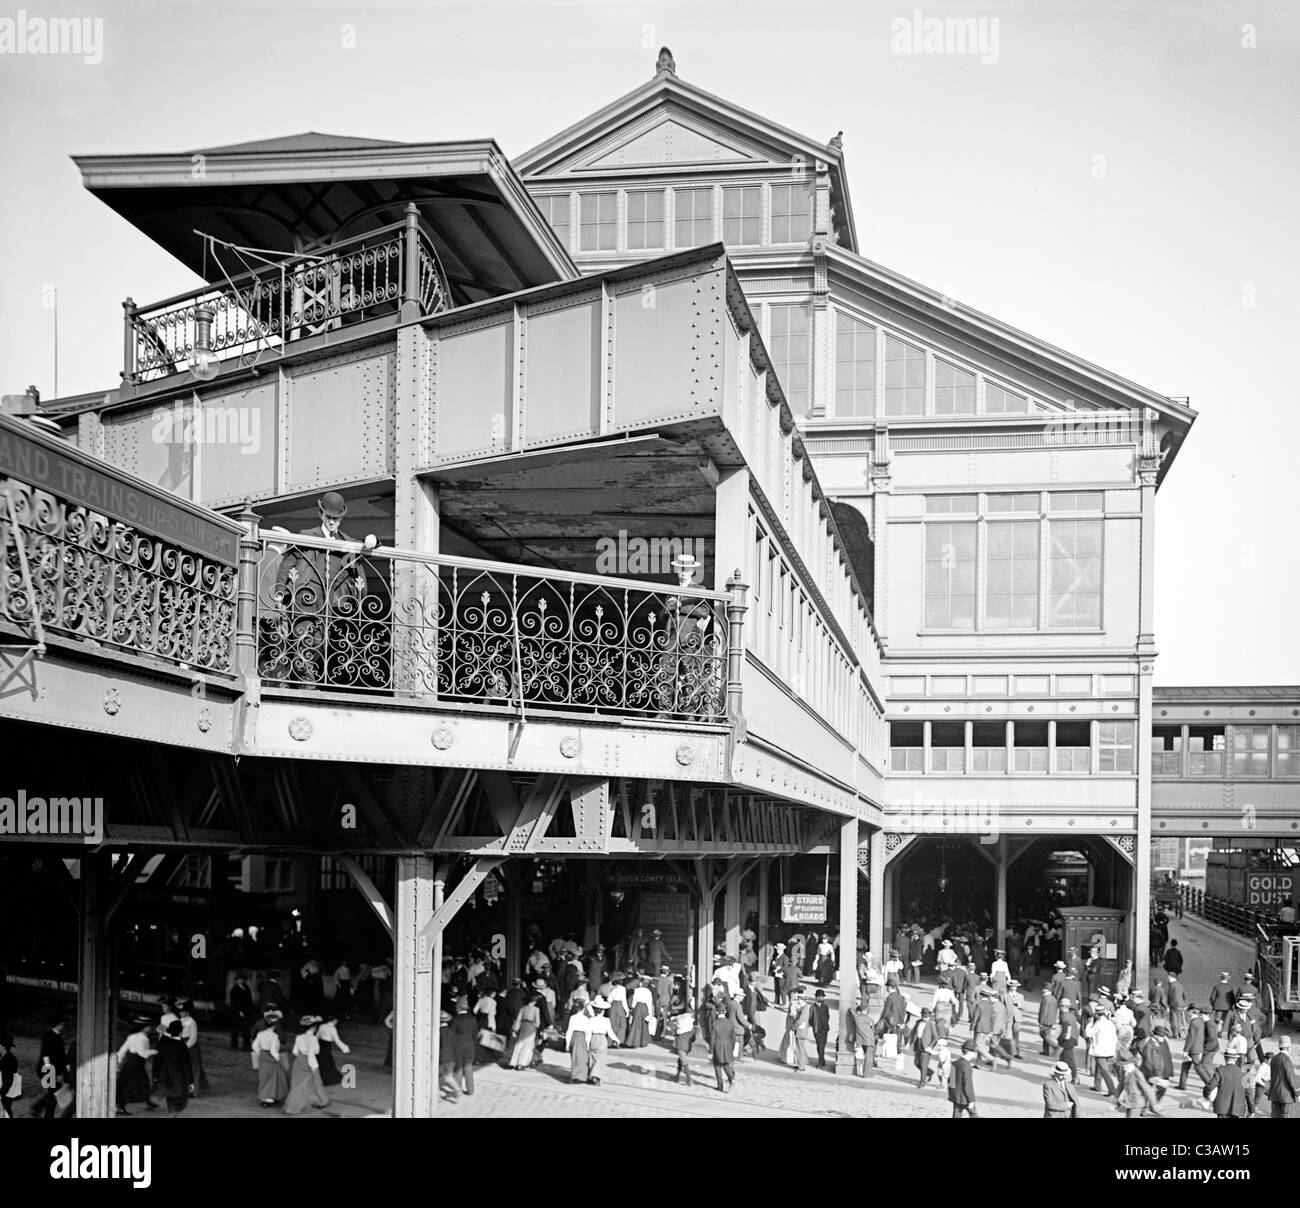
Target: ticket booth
{"points": [[1101, 931]]}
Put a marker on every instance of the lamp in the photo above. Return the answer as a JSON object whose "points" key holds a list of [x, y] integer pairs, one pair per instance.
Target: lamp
{"points": [[943, 868]]}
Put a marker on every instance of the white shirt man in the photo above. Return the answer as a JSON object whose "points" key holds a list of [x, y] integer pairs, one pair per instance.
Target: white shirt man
{"points": [[1103, 1038], [729, 974]]}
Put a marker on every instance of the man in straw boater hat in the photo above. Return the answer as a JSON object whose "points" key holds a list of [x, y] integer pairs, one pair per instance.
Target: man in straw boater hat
{"points": [[1060, 1102], [314, 588]]}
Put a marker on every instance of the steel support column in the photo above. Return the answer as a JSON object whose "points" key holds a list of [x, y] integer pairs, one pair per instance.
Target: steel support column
{"points": [[704, 939], [848, 971], [1000, 919], [415, 1013], [876, 888], [764, 905], [731, 912], [591, 907], [96, 1002], [514, 963]]}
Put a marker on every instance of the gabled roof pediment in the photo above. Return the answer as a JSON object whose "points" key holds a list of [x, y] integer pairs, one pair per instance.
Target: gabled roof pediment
{"points": [[670, 138], [667, 124]]}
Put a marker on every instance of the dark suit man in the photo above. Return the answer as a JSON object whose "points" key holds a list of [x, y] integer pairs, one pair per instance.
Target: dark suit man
{"points": [[722, 1045], [961, 1084], [1173, 959], [1195, 1056], [458, 1041], [960, 979], [52, 1064], [1221, 999], [241, 1013], [1282, 1082], [1048, 1017], [1068, 1041], [656, 952], [1228, 1091], [314, 587]]}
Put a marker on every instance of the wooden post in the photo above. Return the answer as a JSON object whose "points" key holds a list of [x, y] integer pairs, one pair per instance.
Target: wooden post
{"points": [[848, 971], [96, 1007], [415, 1011]]}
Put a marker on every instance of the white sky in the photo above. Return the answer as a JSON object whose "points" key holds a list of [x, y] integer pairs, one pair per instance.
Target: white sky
{"points": [[978, 179]]}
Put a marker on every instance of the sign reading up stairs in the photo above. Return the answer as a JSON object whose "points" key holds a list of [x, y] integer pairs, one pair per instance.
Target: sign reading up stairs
{"points": [[803, 908]]}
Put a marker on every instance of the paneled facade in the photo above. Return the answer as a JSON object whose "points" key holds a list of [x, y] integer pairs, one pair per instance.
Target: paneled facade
{"points": [[1007, 487]]}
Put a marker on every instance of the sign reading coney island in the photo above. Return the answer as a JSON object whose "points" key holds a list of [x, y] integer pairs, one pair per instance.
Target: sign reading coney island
{"points": [[803, 908]]}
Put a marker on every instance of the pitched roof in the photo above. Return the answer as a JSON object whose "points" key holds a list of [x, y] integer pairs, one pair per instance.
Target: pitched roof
{"points": [[309, 140]]}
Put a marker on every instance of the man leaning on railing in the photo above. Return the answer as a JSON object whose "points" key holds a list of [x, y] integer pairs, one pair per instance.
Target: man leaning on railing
{"points": [[319, 594]]}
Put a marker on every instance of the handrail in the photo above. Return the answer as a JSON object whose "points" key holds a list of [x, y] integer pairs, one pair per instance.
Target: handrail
{"points": [[329, 615], [270, 537], [256, 275]]}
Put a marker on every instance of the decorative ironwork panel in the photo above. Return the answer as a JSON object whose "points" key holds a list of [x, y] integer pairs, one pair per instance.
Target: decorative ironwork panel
{"points": [[99, 578], [349, 282], [336, 617]]}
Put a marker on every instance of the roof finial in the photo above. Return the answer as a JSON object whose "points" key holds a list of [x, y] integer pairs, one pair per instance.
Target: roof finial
{"points": [[666, 62], [837, 143]]}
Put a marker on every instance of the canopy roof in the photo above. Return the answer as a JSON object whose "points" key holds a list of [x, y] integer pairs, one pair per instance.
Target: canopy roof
{"points": [[301, 191]]}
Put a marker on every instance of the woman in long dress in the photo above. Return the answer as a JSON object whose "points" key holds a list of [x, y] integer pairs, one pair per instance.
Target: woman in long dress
{"points": [[190, 1034], [638, 1024], [825, 962], [599, 1040], [576, 1041], [618, 1009], [328, 1035], [523, 1032], [272, 1081], [305, 1087], [796, 1026], [132, 1073], [173, 1073]]}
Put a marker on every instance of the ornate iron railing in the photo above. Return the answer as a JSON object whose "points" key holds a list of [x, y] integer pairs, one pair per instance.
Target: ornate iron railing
{"points": [[356, 280], [91, 576], [331, 615]]}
